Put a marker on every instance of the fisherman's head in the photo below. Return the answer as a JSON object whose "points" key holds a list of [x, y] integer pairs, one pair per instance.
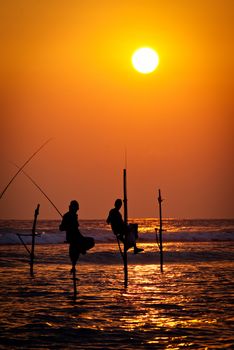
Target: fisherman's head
{"points": [[118, 203], [74, 206]]}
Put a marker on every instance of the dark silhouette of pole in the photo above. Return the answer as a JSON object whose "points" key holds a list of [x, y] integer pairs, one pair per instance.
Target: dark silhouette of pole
{"points": [[160, 230], [33, 239], [125, 201], [21, 240], [33, 234], [74, 278]]}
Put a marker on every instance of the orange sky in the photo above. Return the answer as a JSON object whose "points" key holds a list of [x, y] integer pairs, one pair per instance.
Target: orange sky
{"points": [[66, 73]]}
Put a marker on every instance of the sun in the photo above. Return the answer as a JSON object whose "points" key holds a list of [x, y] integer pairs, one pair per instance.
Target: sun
{"points": [[145, 60]]}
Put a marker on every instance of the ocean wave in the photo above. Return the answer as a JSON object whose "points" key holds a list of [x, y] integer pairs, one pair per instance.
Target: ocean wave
{"points": [[108, 237], [174, 230]]}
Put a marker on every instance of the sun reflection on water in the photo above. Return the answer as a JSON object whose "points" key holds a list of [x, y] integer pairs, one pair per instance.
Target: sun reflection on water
{"points": [[186, 304], [163, 305]]}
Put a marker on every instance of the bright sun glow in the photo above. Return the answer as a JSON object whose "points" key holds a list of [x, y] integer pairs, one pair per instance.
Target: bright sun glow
{"points": [[145, 60]]}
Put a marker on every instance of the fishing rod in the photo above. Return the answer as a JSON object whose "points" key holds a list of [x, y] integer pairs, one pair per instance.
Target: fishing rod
{"points": [[22, 167], [40, 189]]}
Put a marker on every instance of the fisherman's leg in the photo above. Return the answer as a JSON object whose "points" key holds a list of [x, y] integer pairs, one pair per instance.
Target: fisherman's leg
{"points": [[89, 243], [134, 229], [120, 236], [85, 243], [137, 250]]}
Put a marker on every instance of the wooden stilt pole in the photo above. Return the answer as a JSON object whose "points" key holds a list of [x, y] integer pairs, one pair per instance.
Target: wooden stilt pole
{"points": [[160, 230], [33, 239], [74, 283], [125, 201], [19, 236], [125, 256]]}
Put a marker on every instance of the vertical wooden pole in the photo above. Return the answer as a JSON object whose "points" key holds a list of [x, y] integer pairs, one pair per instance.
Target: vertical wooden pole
{"points": [[74, 283], [33, 239], [160, 230], [125, 201]]}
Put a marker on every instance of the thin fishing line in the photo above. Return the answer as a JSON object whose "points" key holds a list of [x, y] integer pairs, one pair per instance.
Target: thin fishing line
{"points": [[21, 168], [40, 189]]}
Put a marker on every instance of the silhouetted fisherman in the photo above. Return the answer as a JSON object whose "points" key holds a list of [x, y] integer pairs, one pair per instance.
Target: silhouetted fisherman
{"points": [[78, 243], [122, 230]]}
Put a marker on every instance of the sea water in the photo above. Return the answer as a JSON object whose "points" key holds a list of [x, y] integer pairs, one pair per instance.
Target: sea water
{"points": [[188, 306]]}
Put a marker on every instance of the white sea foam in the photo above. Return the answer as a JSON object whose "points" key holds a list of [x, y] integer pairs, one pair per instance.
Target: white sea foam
{"points": [[174, 231]]}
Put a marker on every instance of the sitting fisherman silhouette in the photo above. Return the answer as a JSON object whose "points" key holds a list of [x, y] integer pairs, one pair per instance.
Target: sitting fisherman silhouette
{"points": [[125, 233], [78, 243]]}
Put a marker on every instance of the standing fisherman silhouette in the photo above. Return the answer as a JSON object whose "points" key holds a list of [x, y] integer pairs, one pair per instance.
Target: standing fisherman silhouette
{"points": [[121, 230], [78, 244]]}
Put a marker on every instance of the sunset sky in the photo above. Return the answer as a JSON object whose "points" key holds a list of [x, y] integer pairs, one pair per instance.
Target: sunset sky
{"points": [[66, 73]]}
